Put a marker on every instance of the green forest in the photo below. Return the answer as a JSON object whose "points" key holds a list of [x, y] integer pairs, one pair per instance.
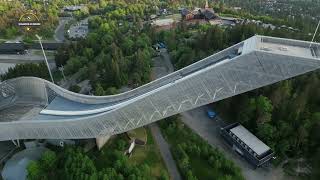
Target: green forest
{"points": [[286, 115], [117, 52], [195, 158], [112, 56], [190, 44], [109, 163], [300, 14], [48, 14], [28, 69]]}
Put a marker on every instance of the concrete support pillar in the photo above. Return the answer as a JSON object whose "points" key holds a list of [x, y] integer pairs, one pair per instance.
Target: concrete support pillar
{"points": [[102, 140], [14, 142], [17, 144]]}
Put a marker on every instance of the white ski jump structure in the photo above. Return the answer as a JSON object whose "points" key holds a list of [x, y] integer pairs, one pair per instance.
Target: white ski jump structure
{"points": [[253, 63]]}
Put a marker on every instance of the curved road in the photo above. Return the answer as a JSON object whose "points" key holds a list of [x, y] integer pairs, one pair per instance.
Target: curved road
{"points": [[60, 30]]}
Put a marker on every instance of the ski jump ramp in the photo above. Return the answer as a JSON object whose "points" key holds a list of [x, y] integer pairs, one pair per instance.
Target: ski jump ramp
{"points": [[256, 62]]}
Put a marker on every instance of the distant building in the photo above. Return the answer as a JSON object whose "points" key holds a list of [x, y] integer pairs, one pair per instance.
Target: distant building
{"points": [[199, 13], [266, 26], [207, 14], [247, 145], [163, 12], [186, 14], [72, 8]]}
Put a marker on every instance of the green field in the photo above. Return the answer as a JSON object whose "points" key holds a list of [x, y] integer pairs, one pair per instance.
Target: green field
{"points": [[176, 17], [139, 133], [150, 155], [142, 155], [39, 52]]}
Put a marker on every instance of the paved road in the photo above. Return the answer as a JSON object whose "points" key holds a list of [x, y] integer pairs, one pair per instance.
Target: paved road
{"points": [[6, 147], [208, 129], [10, 60], [25, 58], [165, 152], [5, 66], [59, 32], [166, 61], [162, 66], [18, 38]]}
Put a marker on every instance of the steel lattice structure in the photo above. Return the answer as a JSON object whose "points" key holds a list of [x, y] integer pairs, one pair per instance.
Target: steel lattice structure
{"points": [[253, 63]]}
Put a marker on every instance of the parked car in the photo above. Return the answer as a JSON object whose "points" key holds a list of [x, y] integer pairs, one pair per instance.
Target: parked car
{"points": [[162, 45], [211, 114]]}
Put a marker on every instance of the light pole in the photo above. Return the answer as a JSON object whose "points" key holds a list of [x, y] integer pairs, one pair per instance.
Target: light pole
{"points": [[314, 35], [45, 57], [61, 69]]}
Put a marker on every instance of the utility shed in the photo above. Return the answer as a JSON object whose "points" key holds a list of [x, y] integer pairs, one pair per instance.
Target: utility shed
{"points": [[250, 140], [247, 145]]}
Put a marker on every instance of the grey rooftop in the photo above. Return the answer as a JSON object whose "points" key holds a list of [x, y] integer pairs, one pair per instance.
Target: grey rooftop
{"points": [[250, 140]]}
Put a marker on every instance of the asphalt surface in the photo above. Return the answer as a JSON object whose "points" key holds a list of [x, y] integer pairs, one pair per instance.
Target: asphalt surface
{"points": [[5, 148], [10, 60], [5, 66], [59, 32], [165, 152], [208, 129], [79, 30], [25, 58], [162, 66]]}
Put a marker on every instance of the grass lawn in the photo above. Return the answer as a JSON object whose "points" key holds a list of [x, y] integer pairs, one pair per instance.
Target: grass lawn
{"points": [[148, 154], [229, 15], [176, 17], [199, 166], [57, 76], [139, 133], [101, 158], [39, 52]]}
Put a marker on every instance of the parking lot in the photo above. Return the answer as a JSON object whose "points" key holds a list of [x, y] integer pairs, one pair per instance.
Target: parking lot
{"points": [[79, 30], [208, 129]]}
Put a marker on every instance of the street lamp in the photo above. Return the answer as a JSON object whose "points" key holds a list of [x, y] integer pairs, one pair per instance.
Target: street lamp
{"points": [[61, 69], [45, 57], [314, 35]]}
